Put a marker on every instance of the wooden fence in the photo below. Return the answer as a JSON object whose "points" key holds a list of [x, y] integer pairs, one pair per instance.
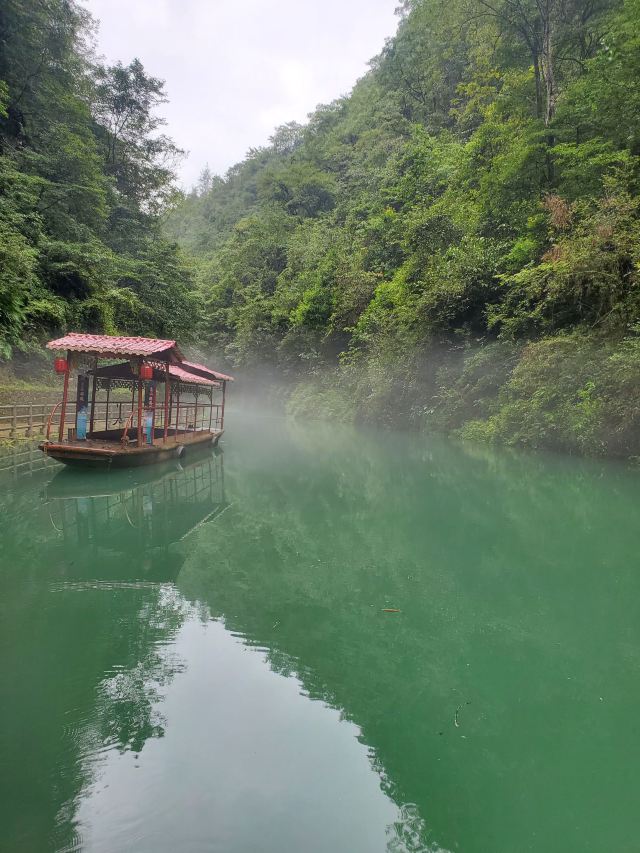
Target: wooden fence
{"points": [[20, 421], [24, 420]]}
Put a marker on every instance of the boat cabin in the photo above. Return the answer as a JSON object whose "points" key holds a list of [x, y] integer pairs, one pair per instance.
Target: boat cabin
{"points": [[137, 401]]}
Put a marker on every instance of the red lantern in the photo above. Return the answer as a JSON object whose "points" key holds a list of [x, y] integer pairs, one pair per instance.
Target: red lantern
{"points": [[146, 371], [60, 365]]}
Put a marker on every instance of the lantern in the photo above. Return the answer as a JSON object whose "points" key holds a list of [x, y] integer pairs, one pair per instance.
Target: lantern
{"points": [[60, 365], [146, 371]]}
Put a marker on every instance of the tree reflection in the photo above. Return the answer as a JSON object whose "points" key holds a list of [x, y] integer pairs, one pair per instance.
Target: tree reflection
{"points": [[478, 700], [86, 669], [489, 677]]}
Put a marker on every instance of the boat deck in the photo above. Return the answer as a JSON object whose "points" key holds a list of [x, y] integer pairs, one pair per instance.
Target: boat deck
{"points": [[101, 450]]}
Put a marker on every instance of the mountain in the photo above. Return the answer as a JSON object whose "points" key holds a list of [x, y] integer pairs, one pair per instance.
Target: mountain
{"points": [[455, 244]]}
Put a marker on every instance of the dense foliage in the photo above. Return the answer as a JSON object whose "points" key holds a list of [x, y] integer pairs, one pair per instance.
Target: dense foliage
{"points": [[456, 243], [84, 174]]}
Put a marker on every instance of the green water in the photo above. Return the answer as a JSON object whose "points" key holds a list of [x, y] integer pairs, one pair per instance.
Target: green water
{"points": [[198, 658]]}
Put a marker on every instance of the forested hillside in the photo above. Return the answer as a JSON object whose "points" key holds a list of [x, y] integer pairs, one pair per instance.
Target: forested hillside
{"points": [[84, 174], [455, 244]]}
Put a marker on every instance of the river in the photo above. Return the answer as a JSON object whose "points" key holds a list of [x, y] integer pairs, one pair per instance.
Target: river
{"points": [[326, 640]]}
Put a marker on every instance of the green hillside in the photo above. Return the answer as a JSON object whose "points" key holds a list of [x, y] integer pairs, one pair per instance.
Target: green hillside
{"points": [[85, 173], [455, 244]]}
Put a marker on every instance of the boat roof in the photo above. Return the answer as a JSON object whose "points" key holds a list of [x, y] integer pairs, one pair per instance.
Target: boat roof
{"points": [[112, 345], [187, 376], [203, 370], [123, 370]]}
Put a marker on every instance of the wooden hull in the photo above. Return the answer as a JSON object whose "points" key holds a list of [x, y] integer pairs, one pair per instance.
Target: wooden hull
{"points": [[100, 453]]}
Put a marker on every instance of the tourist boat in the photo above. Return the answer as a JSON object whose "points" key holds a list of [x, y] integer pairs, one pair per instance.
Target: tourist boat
{"points": [[138, 402]]}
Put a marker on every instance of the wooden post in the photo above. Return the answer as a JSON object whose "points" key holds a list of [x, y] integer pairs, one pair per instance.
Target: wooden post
{"points": [[210, 406], [106, 412], [195, 414], [177, 407], [167, 394], [140, 437], [224, 391], [30, 426], [65, 395], [152, 401], [93, 398]]}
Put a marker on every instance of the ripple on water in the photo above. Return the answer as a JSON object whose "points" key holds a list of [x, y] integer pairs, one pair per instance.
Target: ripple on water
{"points": [[81, 586]]}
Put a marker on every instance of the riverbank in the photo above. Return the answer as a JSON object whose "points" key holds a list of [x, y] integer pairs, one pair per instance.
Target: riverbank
{"points": [[574, 393]]}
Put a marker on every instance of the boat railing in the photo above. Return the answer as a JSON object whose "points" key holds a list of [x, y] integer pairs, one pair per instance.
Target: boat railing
{"points": [[188, 417], [198, 417]]}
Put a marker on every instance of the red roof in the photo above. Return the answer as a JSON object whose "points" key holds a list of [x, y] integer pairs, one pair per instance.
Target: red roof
{"points": [[186, 376], [205, 371], [124, 371], [108, 344]]}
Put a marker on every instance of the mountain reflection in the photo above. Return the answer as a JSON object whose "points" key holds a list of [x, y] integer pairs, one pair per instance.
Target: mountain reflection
{"points": [[466, 614], [89, 613], [477, 697]]}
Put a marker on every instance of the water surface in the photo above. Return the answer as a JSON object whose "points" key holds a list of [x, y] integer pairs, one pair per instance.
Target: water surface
{"points": [[206, 657]]}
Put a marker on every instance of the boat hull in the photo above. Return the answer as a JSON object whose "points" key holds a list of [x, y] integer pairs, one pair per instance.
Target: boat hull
{"points": [[95, 453]]}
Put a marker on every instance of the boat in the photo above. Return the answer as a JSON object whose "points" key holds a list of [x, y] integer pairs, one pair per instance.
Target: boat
{"points": [[138, 402]]}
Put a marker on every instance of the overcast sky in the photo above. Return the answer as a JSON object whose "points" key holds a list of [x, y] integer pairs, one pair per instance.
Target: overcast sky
{"points": [[235, 69]]}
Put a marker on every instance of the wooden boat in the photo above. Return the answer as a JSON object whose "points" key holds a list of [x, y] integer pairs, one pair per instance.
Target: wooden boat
{"points": [[144, 410]]}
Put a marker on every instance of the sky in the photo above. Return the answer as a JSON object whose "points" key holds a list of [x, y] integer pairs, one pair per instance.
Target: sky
{"points": [[237, 69]]}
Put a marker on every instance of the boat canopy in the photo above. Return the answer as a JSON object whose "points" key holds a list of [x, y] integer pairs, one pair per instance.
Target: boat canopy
{"points": [[206, 372], [124, 371], [112, 347]]}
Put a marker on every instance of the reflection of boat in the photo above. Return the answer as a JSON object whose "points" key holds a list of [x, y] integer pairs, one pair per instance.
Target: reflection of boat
{"points": [[155, 404], [127, 524]]}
